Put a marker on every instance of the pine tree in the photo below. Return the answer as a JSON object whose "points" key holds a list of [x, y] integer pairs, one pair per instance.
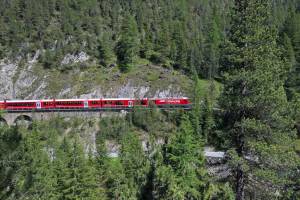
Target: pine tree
{"points": [[105, 49], [295, 112], [128, 45], [208, 123], [289, 54], [256, 119], [10, 145], [77, 178], [127, 176], [213, 53], [180, 170], [36, 178], [135, 163], [291, 44], [196, 114], [61, 167], [164, 41], [180, 48], [296, 44]]}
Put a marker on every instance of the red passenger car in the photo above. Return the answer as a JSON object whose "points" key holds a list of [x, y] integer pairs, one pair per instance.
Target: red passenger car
{"points": [[21, 105], [70, 104]]}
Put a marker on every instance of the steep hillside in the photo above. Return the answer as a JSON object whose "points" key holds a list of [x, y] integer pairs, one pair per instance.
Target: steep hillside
{"points": [[55, 48], [237, 60], [27, 79]]}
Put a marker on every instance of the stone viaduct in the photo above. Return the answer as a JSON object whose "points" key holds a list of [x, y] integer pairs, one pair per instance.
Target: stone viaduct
{"points": [[12, 118]]}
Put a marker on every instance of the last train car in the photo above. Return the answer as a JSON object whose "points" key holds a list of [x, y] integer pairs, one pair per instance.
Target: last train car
{"points": [[2, 105]]}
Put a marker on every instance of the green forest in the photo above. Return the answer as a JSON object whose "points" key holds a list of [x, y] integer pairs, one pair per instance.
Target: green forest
{"points": [[246, 51]]}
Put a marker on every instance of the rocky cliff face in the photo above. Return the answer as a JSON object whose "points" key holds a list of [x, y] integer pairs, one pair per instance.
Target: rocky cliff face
{"points": [[25, 78]]}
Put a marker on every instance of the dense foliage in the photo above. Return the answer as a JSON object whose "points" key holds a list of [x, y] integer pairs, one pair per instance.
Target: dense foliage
{"points": [[251, 47], [258, 128], [182, 34], [46, 162]]}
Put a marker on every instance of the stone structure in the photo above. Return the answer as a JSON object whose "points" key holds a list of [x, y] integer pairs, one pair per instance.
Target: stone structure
{"points": [[12, 118]]}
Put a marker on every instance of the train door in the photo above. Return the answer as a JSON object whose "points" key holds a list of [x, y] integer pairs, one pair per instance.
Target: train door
{"points": [[38, 105], [130, 104], [85, 104]]}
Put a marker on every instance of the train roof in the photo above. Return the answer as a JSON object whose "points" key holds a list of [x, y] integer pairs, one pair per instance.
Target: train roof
{"points": [[20, 101], [94, 99]]}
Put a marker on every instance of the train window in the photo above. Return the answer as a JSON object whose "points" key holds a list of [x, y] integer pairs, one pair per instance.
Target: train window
{"points": [[48, 103], [20, 104], [95, 102], [69, 103], [108, 102], [140, 102], [119, 103]]}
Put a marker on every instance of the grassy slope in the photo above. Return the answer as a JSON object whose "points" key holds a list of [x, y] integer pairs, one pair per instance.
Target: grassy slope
{"points": [[83, 79]]}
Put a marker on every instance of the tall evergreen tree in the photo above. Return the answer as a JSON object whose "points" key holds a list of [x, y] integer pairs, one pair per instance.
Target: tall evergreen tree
{"points": [[196, 114], [106, 53], [179, 46], [296, 44], [291, 43], [289, 54], [208, 123], [180, 170], [130, 174], [77, 176], [213, 50], [128, 45], [10, 143], [36, 178], [256, 119]]}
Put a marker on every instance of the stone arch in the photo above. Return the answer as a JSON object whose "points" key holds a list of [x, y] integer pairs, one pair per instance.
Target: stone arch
{"points": [[3, 122], [23, 120]]}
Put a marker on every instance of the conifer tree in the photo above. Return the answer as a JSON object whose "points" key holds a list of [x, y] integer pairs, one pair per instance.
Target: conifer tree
{"points": [[196, 114], [289, 54], [208, 123], [128, 45], [256, 119], [296, 44], [213, 50], [180, 48], [291, 44], [134, 163], [127, 177], [180, 170], [78, 176], [164, 41], [36, 178], [10, 144], [106, 53]]}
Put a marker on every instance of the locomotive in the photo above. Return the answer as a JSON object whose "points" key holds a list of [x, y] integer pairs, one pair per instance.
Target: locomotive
{"points": [[92, 104]]}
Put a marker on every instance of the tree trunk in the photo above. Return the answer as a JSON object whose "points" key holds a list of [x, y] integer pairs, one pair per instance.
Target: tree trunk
{"points": [[240, 183]]}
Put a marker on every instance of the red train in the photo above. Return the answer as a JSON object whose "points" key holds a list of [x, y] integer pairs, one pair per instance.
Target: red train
{"points": [[91, 104]]}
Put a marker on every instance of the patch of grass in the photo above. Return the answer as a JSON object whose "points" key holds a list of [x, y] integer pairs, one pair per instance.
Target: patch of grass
{"points": [[152, 76], [141, 61]]}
